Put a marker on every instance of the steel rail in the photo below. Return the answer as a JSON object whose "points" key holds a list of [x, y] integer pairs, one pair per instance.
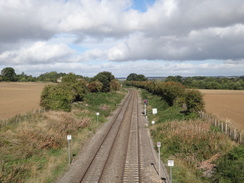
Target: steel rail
{"points": [[124, 106]]}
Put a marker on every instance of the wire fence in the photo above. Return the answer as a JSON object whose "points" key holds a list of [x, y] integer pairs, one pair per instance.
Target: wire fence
{"points": [[226, 127]]}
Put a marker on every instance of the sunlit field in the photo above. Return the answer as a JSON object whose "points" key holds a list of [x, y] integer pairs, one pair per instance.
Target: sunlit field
{"points": [[226, 104], [19, 98]]}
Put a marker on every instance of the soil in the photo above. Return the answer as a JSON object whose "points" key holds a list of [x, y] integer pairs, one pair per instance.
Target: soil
{"points": [[19, 98], [226, 105]]}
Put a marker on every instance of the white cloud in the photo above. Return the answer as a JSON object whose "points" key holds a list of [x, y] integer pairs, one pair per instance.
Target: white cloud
{"points": [[69, 31], [38, 52]]}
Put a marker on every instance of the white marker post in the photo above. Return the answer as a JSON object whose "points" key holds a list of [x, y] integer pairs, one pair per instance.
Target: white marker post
{"points": [[159, 145], [97, 117], [154, 110], [69, 137], [170, 164], [153, 122]]}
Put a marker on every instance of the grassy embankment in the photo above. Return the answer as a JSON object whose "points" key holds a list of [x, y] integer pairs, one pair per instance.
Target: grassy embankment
{"points": [[33, 147], [192, 143]]}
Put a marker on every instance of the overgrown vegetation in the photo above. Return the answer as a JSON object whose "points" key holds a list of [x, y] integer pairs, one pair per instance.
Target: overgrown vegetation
{"points": [[230, 167], [73, 89], [174, 93], [33, 147], [201, 152]]}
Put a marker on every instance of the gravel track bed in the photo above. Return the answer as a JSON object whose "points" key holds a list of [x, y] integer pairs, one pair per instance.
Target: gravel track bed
{"points": [[132, 157]]}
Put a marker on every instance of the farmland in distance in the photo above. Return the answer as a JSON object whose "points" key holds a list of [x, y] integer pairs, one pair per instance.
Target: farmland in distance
{"points": [[19, 98], [226, 105]]}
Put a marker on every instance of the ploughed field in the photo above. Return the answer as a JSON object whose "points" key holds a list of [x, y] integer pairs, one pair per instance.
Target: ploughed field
{"points": [[226, 104], [19, 98]]}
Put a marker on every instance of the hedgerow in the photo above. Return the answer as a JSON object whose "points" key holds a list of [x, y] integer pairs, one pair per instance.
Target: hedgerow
{"points": [[173, 93]]}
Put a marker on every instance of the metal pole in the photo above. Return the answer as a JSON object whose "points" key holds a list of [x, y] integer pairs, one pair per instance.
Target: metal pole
{"points": [[171, 174], [159, 162], [68, 152]]}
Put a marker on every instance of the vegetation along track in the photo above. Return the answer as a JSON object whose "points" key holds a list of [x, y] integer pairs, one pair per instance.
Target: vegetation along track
{"points": [[115, 141], [120, 153]]}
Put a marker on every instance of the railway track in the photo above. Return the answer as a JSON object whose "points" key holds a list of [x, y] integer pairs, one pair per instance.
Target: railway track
{"points": [[122, 138], [122, 152]]}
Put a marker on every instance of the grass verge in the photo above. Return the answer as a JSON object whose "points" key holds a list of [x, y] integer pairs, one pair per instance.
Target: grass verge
{"points": [[191, 142], [33, 148]]}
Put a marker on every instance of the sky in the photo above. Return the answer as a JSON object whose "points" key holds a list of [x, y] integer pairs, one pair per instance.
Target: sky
{"points": [[150, 37]]}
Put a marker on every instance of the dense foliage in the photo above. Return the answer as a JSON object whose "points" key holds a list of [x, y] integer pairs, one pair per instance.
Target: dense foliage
{"points": [[105, 78], [8, 74], [73, 88], [200, 82], [136, 77], [230, 167], [61, 96], [173, 93]]}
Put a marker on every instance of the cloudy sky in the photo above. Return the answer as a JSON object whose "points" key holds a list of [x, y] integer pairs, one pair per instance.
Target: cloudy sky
{"points": [[150, 37]]}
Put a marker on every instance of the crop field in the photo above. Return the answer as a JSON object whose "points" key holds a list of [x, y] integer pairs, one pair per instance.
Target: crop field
{"points": [[226, 104], [19, 98]]}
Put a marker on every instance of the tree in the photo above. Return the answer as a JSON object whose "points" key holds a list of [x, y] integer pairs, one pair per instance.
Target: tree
{"points": [[105, 78], [69, 78], [50, 76], [136, 77], [132, 77], [174, 79], [95, 86], [171, 91], [61, 96], [194, 100], [8, 74]]}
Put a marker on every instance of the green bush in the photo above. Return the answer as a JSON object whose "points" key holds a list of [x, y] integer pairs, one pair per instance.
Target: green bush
{"points": [[61, 96], [194, 100], [230, 167]]}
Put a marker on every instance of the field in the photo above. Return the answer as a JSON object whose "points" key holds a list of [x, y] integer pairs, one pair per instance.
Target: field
{"points": [[226, 104], [19, 98]]}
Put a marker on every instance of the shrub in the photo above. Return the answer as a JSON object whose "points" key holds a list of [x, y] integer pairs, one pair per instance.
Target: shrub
{"points": [[230, 167], [95, 86], [105, 78], [194, 100], [114, 85], [61, 96], [170, 91]]}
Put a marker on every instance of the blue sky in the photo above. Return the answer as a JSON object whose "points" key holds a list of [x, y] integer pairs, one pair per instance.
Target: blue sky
{"points": [[142, 5], [154, 38]]}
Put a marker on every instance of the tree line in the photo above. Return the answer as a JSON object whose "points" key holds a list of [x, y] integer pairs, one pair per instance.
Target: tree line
{"points": [[201, 82], [70, 88], [174, 93], [9, 74]]}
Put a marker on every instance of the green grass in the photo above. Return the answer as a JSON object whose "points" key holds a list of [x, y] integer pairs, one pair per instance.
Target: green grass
{"points": [[165, 113]]}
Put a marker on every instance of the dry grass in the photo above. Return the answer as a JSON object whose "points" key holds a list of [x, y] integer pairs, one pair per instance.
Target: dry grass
{"points": [[33, 147], [194, 140], [25, 148], [191, 144]]}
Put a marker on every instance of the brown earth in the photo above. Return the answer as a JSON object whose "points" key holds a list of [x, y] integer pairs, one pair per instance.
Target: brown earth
{"points": [[226, 104], [19, 98]]}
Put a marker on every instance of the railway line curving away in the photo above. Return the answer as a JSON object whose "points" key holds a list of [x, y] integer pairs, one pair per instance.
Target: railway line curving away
{"points": [[120, 151]]}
